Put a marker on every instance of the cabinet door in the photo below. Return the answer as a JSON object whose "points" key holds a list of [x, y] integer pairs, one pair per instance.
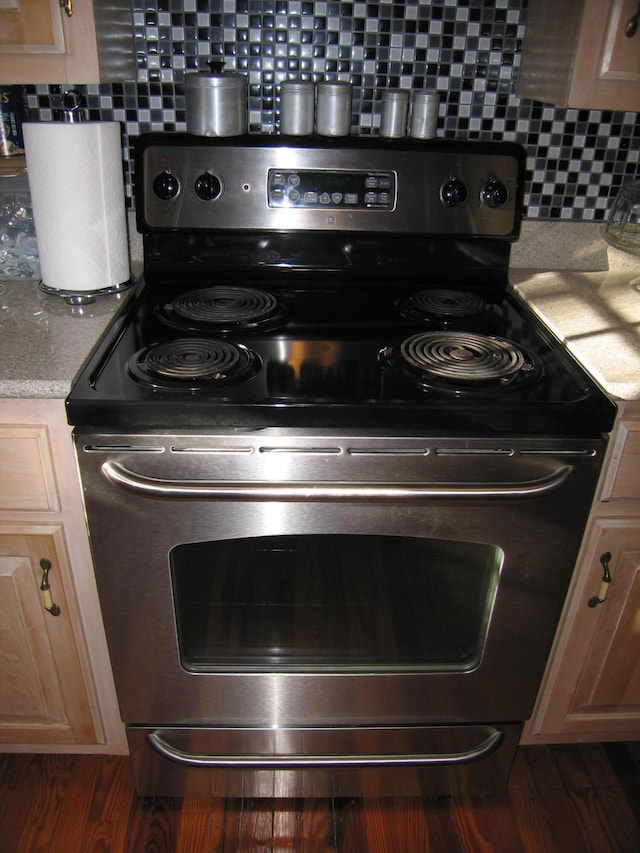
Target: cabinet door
{"points": [[40, 43], [576, 54], [42, 694], [592, 689]]}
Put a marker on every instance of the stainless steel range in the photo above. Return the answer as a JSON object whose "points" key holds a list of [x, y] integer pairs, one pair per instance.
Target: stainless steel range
{"points": [[336, 473]]}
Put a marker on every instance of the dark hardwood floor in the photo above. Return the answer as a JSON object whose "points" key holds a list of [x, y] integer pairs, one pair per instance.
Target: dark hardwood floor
{"points": [[562, 799]]}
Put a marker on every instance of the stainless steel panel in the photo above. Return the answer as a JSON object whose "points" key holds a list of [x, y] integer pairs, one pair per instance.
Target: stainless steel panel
{"points": [[341, 762], [243, 175]]}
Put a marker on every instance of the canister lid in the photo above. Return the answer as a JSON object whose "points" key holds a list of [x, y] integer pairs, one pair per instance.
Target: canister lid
{"points": [[208, 80], [395, 95]]}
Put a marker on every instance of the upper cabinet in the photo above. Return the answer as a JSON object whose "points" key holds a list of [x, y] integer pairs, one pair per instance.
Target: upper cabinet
{"points": [[73, 41], [576, 54]]}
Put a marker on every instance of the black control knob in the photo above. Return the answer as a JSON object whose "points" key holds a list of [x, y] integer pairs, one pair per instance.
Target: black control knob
{"points": [[207, 186], [166, 186], [495, 194], [453, 192]]}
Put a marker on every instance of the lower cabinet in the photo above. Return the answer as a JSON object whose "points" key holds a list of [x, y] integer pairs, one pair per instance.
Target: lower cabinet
{"points": [[591, 689], [44, 696], [56, 692]]}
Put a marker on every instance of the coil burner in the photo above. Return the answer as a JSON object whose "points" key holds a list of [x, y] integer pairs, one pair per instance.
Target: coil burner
{"points": [[195, 364], [223, 310], [463, 362], [448, 308]]}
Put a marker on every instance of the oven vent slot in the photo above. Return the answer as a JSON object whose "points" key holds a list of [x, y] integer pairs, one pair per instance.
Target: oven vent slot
{"points": [[212, 450], [585, 452], [388, 451], [331, 451], [124, 448], [474, 451]]}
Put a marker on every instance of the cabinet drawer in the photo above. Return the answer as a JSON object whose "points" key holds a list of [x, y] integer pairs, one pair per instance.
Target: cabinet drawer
{"points": [[27, 480], [621, 480]]}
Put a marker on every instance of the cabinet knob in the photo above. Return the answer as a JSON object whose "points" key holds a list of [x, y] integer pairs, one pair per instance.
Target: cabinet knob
{"points": [[595, 600]]}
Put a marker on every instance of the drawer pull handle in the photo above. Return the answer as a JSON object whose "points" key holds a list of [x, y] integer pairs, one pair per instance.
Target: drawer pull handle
{"points": [[45, 588], [289, 762], [595, 600]]}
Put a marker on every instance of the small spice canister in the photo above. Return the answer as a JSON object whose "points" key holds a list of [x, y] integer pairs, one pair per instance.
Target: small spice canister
{"points": [[395, 109], [297, 102], [424, 114], [333, 109]]}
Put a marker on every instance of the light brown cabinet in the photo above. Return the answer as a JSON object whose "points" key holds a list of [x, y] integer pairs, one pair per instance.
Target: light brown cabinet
{"points": [[591, 689], [56, 692], [576, 54], [41, 43]]}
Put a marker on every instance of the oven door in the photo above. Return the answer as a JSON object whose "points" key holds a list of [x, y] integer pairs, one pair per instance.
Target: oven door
{"points": [[259, 580]]}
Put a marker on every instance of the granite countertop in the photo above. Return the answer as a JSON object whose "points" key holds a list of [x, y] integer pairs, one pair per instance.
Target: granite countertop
{"points": [[588, 294], [597, 316], [44, 341]]}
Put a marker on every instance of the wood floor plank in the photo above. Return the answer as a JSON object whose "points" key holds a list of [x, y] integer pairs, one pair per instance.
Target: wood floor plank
{"points": [[194, 830], [256, 825], [74, 808], [381, 825], [153, 825], [19, 779], [295, 828], [46, 797]]}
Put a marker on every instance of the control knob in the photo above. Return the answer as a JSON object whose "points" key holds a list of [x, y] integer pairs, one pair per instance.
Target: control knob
{"points": [[494, 194], [207, 186], [166, 186], [453, 192]]}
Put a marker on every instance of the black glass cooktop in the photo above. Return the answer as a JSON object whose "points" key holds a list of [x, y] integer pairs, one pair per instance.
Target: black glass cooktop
{"points": [[395, 357]]}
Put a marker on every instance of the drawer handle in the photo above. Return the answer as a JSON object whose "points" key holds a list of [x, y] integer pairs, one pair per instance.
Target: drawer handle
{"points": [[275, 762], [45, 588], [595, 600]]}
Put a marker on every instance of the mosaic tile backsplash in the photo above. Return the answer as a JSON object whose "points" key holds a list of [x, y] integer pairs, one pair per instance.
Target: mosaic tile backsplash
{"points": [[467, 50]]}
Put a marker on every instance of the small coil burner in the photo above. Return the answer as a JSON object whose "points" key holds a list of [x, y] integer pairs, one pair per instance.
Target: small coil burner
{"points": [[223, 309], [195, 364], [448, 308], [463, 362]]}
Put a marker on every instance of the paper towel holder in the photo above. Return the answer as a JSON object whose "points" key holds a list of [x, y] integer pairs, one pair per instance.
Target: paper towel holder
{"points": [[72, 105]]}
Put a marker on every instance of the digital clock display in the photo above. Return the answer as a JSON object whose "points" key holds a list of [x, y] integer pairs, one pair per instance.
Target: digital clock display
{"points": [[321, 189]]}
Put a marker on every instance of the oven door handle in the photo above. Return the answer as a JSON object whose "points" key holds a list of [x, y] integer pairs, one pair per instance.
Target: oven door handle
{"points": [[275, 762], [368, 492]]}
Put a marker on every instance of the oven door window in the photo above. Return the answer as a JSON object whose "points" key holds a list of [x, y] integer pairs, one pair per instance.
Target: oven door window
{"points": [[332, 603]]}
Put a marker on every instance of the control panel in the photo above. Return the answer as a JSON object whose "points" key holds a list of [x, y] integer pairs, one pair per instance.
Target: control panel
{"points": [[445, 187], [316, 188]]}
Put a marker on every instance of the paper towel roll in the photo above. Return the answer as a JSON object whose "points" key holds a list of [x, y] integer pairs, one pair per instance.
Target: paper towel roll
{"points": [[77, 194]]}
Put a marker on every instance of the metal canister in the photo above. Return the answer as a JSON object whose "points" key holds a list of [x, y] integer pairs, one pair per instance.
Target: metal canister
{"points": [[216, 104], [297, 102], [333, 109], [395, 109], [424, 114]]}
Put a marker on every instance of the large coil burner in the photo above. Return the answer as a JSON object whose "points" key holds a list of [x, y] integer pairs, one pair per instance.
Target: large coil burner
{"points": [[463, 362], [224, 310], [194, 364]]}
